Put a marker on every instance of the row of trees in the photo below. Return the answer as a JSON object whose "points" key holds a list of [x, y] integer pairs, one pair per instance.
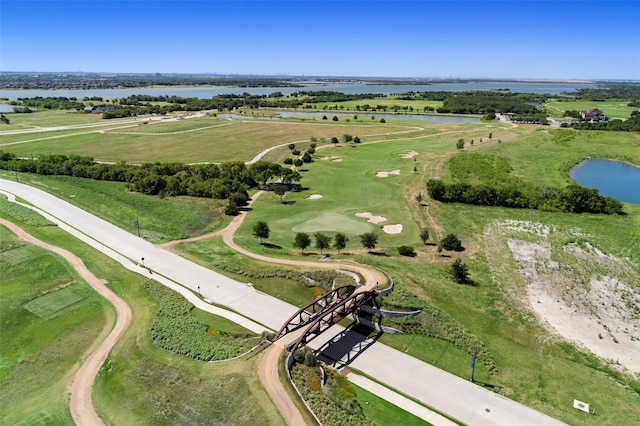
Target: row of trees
{"points": [[219, 181], [572, 199]]}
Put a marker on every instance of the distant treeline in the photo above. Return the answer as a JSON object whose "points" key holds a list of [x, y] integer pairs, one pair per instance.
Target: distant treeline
{"points": [[219, 181], [51, 81], [609, 91], [572, 199]]}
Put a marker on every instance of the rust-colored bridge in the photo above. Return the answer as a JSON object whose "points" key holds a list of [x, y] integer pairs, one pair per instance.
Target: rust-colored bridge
{"points": [[323, 313]]}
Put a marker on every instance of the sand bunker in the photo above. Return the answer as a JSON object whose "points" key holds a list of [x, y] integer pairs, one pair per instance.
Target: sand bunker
{"points": [[386, 174], [371, 218], [337, 160], [409, 154], [392, 229], [314, 197]]}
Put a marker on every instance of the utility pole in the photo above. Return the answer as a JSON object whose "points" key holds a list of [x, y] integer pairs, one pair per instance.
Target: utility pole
{"points": [[137, 225], [473, 363]]}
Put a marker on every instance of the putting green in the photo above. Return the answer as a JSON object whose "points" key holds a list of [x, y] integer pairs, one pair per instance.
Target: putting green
{"points": [[333, 222]]}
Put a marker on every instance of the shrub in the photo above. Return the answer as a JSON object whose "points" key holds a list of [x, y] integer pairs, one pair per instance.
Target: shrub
{"points": [[406, 251], [288, 160]]}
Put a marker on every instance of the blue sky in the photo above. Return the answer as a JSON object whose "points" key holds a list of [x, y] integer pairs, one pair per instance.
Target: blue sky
{"points": [[461, 39]]}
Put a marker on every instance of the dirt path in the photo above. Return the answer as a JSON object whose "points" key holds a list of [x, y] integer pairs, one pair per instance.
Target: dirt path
{"points": [[82, 409], [273, 385]]}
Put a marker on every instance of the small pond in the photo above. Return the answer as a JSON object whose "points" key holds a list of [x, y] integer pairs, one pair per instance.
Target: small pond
{"points": [[612, 178]]}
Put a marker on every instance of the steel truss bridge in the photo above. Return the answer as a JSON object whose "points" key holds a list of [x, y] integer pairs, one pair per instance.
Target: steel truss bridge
{"points": [[324, 312]]}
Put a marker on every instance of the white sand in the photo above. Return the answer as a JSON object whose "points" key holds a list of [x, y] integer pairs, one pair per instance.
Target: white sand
{"points": [[409, 154], [392, 229], [337, 160], [386, 174], [314, 197], [371, 218]]}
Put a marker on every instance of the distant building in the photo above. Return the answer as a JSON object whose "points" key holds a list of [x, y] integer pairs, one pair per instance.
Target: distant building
{"points": [[99, 109], [593, 115]]}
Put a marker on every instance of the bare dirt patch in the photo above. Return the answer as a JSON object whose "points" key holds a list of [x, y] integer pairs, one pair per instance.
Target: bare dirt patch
{"points": [[409, 154], [314, 197], [576, 290], [384, 174], [371, 218]]}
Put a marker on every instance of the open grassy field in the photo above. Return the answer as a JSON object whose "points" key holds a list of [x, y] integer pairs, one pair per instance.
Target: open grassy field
{"points": [[50, 317], [533, 366], [612, 108], [194, 140]]}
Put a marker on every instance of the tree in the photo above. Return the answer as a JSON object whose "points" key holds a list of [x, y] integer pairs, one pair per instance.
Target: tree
{"points": [[298, 162], [460, 272], [382, 120], [280, 190], [324, 117], [340, 241], [424, 235], [302, 241], [356, 139], [347, 138], [490, 135], [292, 146], [460, 144], [334, 140], [306, 158], [450, 242], [261, 231], [4, 119], [323, 242], [369, 240], [335, 118]]}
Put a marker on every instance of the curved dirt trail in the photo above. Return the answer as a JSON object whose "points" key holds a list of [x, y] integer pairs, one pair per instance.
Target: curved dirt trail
{"points": [[80, 404], [268, 374]]}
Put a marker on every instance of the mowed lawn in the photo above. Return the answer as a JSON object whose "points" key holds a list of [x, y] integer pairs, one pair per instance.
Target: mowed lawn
{"points": [[193, 140]]}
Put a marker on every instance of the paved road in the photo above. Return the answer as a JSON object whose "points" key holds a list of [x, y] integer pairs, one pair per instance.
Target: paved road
{"points": [[451, 395]]}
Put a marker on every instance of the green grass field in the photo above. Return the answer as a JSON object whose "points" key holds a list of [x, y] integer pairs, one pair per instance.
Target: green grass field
{"points": [[532, 367], [613, 109], [193, 140], [47, 325]]}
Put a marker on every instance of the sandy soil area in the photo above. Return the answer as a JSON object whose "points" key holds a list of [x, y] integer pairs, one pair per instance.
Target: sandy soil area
{"points": [[371, 218], [392, 229], [578, 292], [314, 197], [383, 174]]}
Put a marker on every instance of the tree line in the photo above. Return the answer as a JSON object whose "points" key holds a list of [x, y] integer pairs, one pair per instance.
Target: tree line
{"points": [[230, 180], [571, 199]]}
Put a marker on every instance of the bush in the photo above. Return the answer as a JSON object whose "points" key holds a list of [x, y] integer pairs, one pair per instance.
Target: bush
{"points": [[406, 251], [450, 242], [232, 209], [288, 160]]}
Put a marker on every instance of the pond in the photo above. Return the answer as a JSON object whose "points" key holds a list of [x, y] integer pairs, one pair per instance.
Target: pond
{"points": [[612, 178]]}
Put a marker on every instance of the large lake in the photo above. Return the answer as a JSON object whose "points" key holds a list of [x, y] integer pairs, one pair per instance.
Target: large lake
{"points": [[612, 178], [348, 88]]}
